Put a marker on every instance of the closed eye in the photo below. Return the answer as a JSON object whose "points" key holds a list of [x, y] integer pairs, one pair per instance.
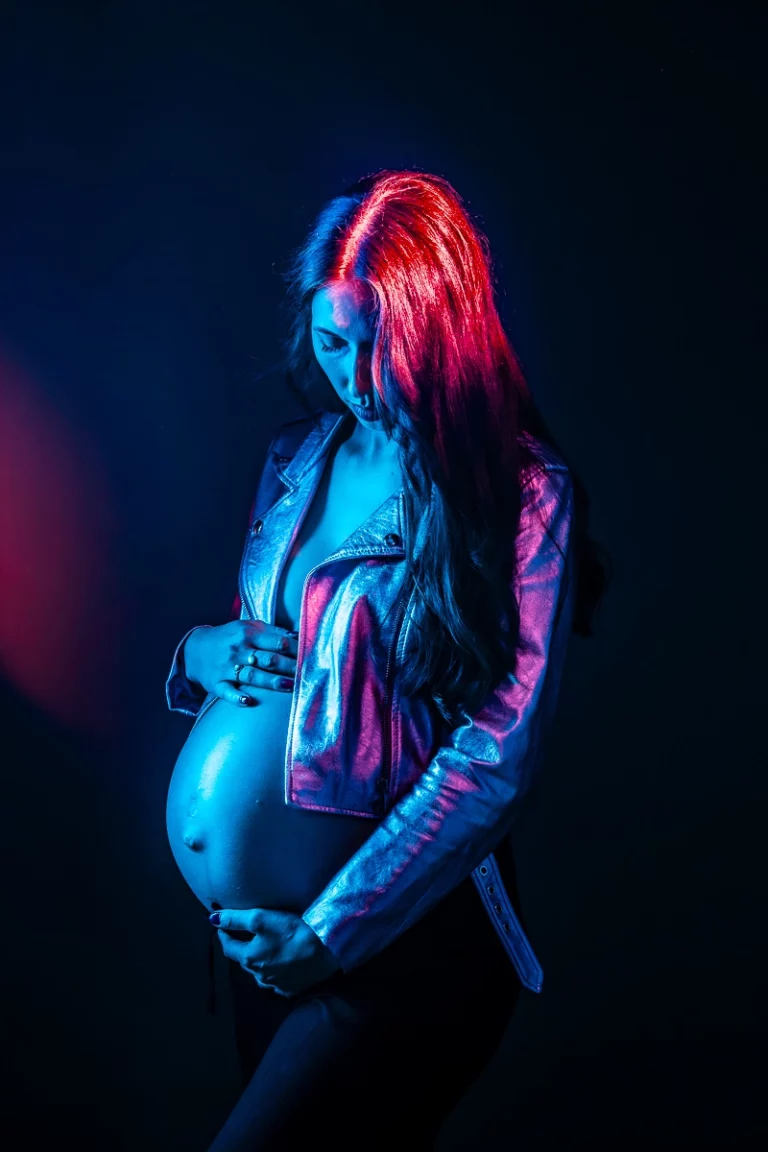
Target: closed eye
{"points": [[330, 347]]}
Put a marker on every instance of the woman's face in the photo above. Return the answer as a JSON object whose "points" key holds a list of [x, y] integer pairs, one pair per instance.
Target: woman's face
{"points": [[343, 331]]}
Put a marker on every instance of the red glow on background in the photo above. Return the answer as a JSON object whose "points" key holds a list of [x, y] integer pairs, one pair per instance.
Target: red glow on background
{"points": [[55, 530]]}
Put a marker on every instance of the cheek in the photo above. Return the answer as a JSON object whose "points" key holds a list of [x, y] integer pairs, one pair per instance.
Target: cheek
{"points": [[320, 359], [329, 368]]}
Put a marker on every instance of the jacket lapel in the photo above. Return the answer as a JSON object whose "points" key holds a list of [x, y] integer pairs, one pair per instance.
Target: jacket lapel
{"points": [[267, 549]]}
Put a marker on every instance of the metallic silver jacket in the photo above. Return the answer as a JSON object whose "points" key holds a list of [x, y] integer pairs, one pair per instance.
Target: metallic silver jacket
{"points": [[442, 799]]}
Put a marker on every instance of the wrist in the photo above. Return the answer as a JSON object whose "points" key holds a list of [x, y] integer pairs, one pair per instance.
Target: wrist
{"points": [[329, 959], [190, 653]]}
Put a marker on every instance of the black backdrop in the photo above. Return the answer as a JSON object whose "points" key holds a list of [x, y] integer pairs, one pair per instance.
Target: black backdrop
{"points": [[159, 162]]}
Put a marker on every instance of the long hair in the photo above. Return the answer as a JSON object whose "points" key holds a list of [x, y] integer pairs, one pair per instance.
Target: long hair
{"points": [[449, 390]]}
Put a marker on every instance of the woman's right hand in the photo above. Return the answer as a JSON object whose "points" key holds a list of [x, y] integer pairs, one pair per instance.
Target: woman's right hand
{"points": [[267, 655]]}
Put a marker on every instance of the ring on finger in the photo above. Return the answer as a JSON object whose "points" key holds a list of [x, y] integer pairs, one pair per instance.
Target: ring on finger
{"points": [[267, 660], [238, 670]]}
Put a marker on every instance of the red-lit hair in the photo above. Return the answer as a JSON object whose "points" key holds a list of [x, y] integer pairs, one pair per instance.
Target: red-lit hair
{"points": [[441, 343], [450, 392]]}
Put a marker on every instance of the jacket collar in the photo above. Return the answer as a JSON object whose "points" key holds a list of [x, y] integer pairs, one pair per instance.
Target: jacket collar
{"points": [[314, 445], [382, 532]]}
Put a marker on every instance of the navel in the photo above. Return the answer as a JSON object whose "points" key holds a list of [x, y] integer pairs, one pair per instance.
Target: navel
{"points": [[193, 840]]}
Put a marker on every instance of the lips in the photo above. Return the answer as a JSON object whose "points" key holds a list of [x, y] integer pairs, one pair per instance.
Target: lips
{"points": [[366, 413]]}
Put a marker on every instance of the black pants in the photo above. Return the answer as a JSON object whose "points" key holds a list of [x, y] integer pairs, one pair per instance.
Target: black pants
{"points": [[377, 1057]]}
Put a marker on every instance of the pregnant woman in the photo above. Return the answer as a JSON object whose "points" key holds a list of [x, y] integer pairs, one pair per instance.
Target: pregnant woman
{"points": [[368, 723]]}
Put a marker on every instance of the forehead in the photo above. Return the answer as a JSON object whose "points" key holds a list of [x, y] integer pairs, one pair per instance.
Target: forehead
{"points": [[346, 305]]}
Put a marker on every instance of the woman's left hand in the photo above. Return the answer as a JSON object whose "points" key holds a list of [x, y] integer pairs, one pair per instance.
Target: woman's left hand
{"points": [[278, 949]]}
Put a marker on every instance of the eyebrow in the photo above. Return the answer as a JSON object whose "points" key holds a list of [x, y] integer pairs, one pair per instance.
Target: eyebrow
{"points": [[336, 335]]}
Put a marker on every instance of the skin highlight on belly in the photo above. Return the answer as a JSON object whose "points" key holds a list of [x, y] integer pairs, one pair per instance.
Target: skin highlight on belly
{"points": [[235, 841]]}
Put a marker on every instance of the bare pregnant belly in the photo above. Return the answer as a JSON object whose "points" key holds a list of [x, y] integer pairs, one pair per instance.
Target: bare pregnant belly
{"points": [[234, 839]]}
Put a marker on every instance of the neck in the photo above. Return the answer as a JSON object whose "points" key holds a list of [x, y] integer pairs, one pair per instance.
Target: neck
{"points": [[369, 447]]}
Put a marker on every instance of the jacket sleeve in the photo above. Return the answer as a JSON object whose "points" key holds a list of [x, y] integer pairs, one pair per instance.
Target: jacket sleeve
{"points": [[182, 694], [465, 801]]}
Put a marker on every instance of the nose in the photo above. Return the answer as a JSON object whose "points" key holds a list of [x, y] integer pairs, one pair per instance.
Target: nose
{"points": [[359, 373]]}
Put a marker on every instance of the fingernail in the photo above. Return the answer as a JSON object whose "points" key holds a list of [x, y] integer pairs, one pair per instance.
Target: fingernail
{"points": [[294, 634], [244, 699], [215, 919], [286, 684]]}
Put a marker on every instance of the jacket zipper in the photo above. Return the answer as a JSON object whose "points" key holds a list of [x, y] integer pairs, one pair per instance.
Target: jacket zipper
{"points": [[241, 589], [295, 695], [383, 782]]}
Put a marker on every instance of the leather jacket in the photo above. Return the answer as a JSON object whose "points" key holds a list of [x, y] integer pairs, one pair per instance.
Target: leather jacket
{"points": [[443, 799]]}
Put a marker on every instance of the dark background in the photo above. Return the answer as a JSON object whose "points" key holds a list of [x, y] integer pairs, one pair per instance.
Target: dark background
{"points": [[159, 163]]}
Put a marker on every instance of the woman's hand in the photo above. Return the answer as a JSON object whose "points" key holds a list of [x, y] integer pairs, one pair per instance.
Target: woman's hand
{"points": [[266, 653], [277, 948]]}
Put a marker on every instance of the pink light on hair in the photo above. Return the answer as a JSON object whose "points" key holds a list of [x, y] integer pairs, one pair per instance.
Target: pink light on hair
{"points": [[451, 394], [413, 242]]}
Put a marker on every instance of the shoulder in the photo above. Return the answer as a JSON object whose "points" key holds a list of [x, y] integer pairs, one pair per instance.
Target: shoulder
{"points": [[537, 457], [546, 483]]}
